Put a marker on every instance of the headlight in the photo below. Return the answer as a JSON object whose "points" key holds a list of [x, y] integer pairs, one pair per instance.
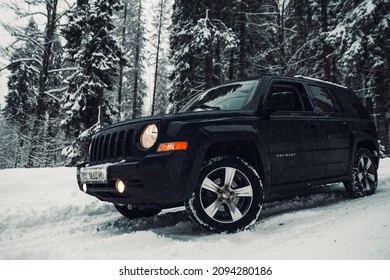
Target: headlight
{"points": [[149, 136]]}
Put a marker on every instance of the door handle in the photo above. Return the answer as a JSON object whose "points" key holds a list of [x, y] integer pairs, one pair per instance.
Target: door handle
{"points": [[346, 125]]}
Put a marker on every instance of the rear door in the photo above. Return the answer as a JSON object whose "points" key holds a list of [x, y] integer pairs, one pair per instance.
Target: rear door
{"points": [[335, 128], [295, 138]]}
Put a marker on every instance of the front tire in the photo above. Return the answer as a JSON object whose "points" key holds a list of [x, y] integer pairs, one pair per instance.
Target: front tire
{"points": [[364, 179], [228, 196], [133, 212]]}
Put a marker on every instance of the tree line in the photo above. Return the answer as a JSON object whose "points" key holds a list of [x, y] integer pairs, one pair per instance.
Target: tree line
{"points": [[84, 65], [345, 42]]}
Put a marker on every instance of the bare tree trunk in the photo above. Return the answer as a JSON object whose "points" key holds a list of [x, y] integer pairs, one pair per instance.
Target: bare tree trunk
{"points": [[121, 65], [231, 65], [157, 55], [51, 9], [137, 64], [243, 37], [281, 37], [325, 47], [209, 70]]}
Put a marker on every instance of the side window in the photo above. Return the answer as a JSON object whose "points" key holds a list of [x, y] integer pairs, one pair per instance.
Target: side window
{"points": [[287, 97], [322, 100], [350, 103]]}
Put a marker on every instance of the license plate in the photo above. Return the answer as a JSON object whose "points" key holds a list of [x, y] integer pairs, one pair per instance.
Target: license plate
{"points": [[94, 174]]}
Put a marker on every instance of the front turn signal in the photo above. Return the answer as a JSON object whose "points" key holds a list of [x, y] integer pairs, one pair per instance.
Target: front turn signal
{"points": [[172, 146]]}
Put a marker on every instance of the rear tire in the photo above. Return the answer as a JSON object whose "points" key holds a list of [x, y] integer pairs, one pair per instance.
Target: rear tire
{"points": [[228, 196], [133, 212], [364, 179]]}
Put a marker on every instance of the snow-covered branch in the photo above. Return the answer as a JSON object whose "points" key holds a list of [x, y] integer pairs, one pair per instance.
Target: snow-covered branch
{"points": [[29, 59], [20, 35], [63, 69], [15, 7], [51, 93]]}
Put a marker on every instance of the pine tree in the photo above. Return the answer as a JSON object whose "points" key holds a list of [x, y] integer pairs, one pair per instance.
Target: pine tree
{"points": [[302, 42], [340, 41], [45, 60], [9, 145], [315, 52], [22, 86], [91, 47], [183, 76], [131, 83], [123, 40], [158, 99], [138, 69], [52, 135], [361, 45], [200, 42]]}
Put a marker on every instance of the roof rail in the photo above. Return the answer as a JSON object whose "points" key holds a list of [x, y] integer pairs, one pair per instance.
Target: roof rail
{"points": [[318, 80]]}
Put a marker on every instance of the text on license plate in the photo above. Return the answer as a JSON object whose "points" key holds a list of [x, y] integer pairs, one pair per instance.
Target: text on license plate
{"points": [[96, 174]]}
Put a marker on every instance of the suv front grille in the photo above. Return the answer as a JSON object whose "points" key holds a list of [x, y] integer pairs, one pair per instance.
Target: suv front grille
{"points": [[111, 146]]}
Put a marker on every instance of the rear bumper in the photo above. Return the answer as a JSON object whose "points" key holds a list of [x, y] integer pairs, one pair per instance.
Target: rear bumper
{"points": [[158, 179]]}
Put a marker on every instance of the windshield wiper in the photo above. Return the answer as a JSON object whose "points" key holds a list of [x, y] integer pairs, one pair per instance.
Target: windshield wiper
{"points": [[205, 106]]}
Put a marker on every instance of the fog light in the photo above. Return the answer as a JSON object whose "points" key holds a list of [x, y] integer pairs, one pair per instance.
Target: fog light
{"points": [[120, 186], [85, 187]]}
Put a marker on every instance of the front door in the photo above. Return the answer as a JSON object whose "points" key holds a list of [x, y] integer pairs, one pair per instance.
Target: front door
{"points": [[295, 138]]}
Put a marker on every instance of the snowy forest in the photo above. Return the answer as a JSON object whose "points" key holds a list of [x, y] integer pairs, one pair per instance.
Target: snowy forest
{"points": [[76, 66]]}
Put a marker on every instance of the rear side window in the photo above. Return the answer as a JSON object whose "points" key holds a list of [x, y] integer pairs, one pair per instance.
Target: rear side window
{"points": [[350, 103], [323, 100]]}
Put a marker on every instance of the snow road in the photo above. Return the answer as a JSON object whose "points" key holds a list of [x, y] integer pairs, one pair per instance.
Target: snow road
{"points": [[45, 216]]}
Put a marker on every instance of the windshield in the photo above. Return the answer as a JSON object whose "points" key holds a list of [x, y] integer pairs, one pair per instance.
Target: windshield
{"points": [[233, 96]]}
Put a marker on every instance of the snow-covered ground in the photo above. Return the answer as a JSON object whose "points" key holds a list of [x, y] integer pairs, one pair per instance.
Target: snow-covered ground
{"points": [[45, 216]]}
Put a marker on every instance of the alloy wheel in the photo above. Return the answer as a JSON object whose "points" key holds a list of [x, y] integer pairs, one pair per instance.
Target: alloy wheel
{"points": [[226, 194], [366, 173]]}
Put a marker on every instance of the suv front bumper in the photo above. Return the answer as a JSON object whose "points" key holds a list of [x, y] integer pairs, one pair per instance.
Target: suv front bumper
{"points": [[159, 179]]}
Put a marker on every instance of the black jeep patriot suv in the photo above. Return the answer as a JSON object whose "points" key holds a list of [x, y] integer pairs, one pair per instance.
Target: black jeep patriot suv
{"points": [[233, 146]]}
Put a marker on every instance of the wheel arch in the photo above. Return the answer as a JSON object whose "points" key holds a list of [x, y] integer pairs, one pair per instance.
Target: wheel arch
{"points": [[245, 149], [370, 146]]}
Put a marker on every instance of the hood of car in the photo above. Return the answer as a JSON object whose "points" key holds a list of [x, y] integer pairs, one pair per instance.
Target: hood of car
{"points": [[190, 116]]}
